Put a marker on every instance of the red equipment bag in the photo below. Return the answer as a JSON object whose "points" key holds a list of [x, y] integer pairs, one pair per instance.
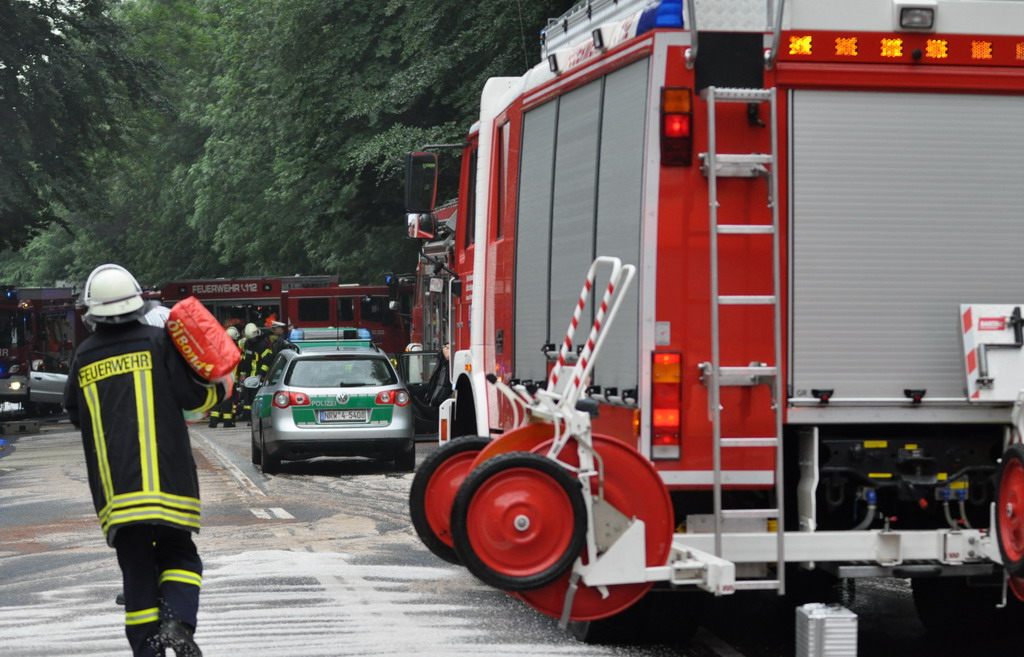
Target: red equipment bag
{"points": [[202, 341]]}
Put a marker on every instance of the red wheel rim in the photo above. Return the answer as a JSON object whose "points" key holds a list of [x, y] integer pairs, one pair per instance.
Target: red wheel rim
{"points": [[523, 439], [520, 522], [1017, 586], [634, 487], [1011, 510], [441, 490]]}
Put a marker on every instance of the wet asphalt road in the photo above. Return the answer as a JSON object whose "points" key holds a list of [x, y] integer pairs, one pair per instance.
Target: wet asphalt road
{"points": [[321, 559]]}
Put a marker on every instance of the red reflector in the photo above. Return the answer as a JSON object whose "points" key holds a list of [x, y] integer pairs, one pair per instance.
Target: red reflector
{"points": [[663, 439], [677, 125], [666, 417]]}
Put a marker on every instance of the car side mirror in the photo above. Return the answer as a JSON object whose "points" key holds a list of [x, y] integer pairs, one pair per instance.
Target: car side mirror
{"points": [[252, 382]]}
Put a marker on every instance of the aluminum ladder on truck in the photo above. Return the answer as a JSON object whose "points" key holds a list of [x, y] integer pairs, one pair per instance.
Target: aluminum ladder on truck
{"points": [[717, 165]]}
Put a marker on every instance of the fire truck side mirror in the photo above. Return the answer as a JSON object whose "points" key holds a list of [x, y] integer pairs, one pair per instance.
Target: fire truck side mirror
{"points": [[420, 183], [422, 226]]}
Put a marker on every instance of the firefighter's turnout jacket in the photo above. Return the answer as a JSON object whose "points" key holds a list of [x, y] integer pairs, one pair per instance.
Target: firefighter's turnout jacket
{"points": [[126, 391], [256, 357]]}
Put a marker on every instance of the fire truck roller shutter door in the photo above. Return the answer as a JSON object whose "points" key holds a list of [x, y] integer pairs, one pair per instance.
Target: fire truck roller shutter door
{"points": [[533, 241], [573, 204], [619, 213], [905, 205]]}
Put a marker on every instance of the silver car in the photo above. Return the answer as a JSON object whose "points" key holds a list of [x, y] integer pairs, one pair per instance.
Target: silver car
{"points": [[332, 400]]}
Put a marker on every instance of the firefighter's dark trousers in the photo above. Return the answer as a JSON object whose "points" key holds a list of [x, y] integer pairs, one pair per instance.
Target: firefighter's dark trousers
{"points": [[225, 411], [162, 575]]}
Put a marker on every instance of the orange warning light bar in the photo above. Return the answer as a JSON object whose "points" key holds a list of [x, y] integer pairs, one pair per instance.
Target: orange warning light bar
{"points": [[892, 47], [846, 46], [800, 45], [934, 49]]}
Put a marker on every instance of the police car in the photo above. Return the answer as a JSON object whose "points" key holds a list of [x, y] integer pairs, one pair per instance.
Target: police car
{"points": [[331, 393]]}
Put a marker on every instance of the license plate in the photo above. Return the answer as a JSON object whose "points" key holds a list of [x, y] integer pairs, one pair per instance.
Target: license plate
{"points": [[344, 416]]}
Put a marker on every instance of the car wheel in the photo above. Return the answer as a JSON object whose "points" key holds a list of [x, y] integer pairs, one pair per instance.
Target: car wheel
{"points": [[268, 463], [257, 456], [406, 459]]}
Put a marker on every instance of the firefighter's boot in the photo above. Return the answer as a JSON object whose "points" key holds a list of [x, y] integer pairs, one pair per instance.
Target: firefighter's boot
{"points": [[177, 636]]}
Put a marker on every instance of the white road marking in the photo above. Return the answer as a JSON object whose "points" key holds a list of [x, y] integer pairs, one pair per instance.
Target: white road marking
{"points": [[239, 476], [281, 513], [261, 513]]}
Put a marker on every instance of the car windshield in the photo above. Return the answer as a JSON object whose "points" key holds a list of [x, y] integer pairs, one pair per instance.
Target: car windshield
{"points": [[340, 372]]}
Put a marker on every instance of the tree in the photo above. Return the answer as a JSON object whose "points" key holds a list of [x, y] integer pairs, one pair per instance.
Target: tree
{"points": [[67, 90]]}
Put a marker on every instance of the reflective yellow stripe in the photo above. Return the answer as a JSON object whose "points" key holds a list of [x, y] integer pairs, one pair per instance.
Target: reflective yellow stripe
{"points": [[146, 418], [126, 501], [142, 616], [183, 576], [143, 513], [100, 440], [211, 400]]}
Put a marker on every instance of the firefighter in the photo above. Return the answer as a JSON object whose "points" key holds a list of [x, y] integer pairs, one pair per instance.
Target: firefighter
{"points": [[126, 392], [256, 357], [225, 411]]}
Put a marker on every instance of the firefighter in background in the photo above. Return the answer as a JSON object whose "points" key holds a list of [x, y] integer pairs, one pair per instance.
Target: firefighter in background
{"points": [[126, 392], [225, 411], [256, 357]]}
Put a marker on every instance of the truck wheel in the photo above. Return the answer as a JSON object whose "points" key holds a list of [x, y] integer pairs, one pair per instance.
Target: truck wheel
{"points": [[946, 605], [1010, 510], [519, 521]]}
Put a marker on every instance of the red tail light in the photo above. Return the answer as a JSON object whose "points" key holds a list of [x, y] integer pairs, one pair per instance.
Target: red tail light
{"points": [[397, 397], [666, 411], [284, 399], [676, 127]]}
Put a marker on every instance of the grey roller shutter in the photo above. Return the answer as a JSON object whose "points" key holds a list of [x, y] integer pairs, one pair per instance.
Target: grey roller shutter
{"points": [[572, 217], [533, 240], [904, 205], [619, 214]]}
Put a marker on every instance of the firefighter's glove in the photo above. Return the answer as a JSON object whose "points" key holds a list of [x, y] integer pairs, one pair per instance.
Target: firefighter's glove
{"points": [[227, 384]]}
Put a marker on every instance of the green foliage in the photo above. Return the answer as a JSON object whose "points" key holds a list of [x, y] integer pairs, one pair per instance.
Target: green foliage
{"points": [[67, 92], [275, 143]]}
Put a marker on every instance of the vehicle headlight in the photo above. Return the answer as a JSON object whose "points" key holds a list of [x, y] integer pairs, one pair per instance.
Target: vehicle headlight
{"points": [[15, 385]]}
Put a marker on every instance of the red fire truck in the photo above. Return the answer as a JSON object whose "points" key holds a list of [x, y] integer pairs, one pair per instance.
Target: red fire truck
{"points": [[306, 301], [363, 306], [431, 286], [242, 300], [819, 362], [39, 329]]}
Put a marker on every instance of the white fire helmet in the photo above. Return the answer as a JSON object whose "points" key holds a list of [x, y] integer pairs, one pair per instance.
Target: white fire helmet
{"points": [[233, 333], [112, 295], [251, 330]]}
